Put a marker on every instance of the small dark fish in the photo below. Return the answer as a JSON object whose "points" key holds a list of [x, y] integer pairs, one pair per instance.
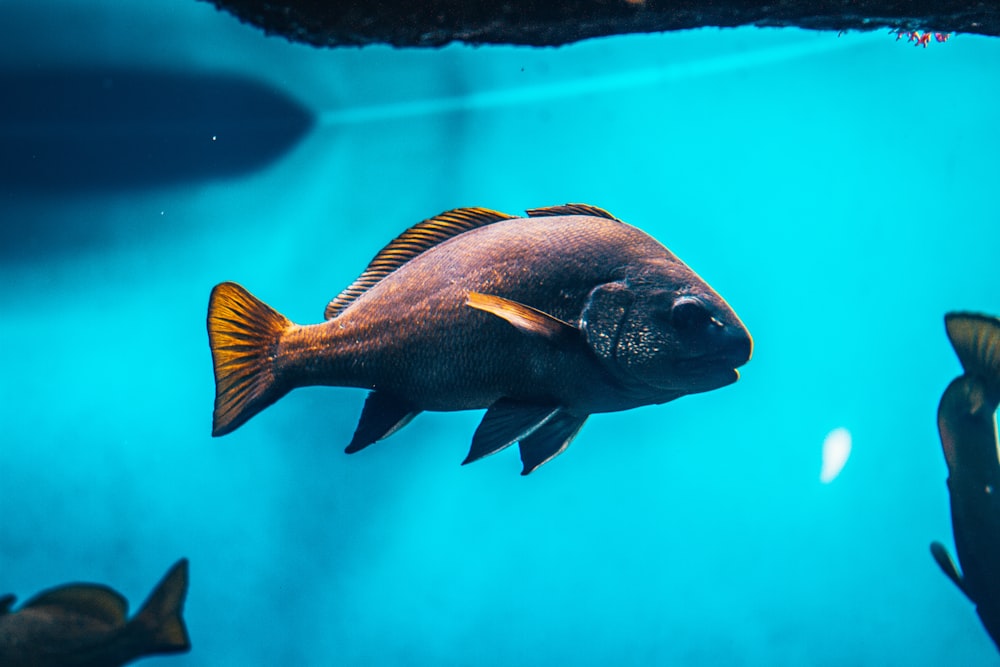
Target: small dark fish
{"points": [[967, 423], [84, 625], [543, 320]]}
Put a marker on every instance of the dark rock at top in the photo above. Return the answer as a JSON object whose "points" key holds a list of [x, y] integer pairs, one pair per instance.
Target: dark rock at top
{"points": [[554, 22]]}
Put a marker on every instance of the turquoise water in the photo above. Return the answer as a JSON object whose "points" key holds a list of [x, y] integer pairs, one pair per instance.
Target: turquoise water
{"points": [[839, 192]]}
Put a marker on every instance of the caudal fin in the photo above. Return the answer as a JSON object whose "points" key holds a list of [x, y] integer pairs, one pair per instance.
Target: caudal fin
{"points": [[976, 339], [159, 622], [243, 332]]}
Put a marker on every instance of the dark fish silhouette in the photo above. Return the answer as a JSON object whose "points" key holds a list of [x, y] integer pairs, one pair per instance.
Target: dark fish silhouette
{"points": [[544, 320], [967, 422], [84, 625], [120, 128]]}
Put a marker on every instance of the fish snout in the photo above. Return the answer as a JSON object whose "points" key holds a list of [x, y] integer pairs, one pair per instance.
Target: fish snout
{"points": [[722, 337], [736, 344]]}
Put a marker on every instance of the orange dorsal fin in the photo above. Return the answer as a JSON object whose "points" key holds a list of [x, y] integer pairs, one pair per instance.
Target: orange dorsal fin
{"points": [[417, 239], [570, 209]]}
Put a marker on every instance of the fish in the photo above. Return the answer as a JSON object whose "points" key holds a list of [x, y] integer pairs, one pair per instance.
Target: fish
{"points": [[968, 429], [84, 625], [542, 320]]}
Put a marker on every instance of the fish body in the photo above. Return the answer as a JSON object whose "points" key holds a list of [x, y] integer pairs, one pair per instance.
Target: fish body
{"points": [[968, 429], [84, 625], [543, 320]]}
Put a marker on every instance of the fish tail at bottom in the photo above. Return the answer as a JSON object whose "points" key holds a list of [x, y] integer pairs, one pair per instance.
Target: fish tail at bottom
{"points": [[243, 333], [159, 624]]}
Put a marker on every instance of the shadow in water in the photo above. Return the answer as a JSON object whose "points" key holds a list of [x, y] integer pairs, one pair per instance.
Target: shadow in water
{"points": [[73, 130]]}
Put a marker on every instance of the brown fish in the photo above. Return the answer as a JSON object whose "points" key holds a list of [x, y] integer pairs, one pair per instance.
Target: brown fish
{"points": [[968, 428], [84, 625], [543, 320]]}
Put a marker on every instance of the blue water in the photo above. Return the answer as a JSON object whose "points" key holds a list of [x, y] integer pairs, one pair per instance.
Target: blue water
{"points": [[838, 191]]}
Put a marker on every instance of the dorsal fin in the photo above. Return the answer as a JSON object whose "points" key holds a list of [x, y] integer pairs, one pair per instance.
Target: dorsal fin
{"points": [[415, 240], [570, 209], [90, 600]]}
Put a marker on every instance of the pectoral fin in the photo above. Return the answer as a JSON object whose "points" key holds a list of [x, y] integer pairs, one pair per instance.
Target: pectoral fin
{"points": [[524, 318], [383, 415], [947, 565], [506, 422], [6, 602], [549, 440]]}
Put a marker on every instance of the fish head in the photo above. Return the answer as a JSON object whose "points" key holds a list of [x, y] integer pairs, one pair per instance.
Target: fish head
{"points": [[665, 329]]}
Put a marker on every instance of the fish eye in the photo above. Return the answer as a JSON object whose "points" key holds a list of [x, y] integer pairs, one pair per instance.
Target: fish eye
{"points": [[689, 313]]}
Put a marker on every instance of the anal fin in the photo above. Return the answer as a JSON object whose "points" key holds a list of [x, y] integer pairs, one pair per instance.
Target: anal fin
{"points": [[506, 422], [549, 440], [383, 415]]}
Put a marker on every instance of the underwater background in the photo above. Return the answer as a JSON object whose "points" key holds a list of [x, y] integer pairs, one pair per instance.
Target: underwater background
{"points": [[839, 191]]}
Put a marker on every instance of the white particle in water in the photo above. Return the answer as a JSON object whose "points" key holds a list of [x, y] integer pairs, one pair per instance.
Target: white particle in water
{"points": [[836, 450]]}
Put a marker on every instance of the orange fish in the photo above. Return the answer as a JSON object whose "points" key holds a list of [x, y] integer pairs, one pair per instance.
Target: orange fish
{"points": [[84, 625], [543, 320]]}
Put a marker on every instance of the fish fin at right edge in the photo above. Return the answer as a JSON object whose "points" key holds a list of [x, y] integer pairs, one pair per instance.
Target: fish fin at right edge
{"points": [[159, 620], [947, 565], [243, 333], [506, 422], [383, 415], [976, 339], [550, 440]]}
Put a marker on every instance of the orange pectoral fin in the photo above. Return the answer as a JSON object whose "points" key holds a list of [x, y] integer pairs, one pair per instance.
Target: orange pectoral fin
{"points": [[524, 318]]}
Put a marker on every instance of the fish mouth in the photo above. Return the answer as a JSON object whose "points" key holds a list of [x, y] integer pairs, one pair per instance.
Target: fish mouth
{"points": [[725, 359], [713, 370], [711, 364], [698, 375], [695, 375]]}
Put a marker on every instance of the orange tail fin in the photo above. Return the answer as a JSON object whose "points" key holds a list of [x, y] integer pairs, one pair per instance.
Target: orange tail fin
{"points": [[243, 332], [160, 620]]}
